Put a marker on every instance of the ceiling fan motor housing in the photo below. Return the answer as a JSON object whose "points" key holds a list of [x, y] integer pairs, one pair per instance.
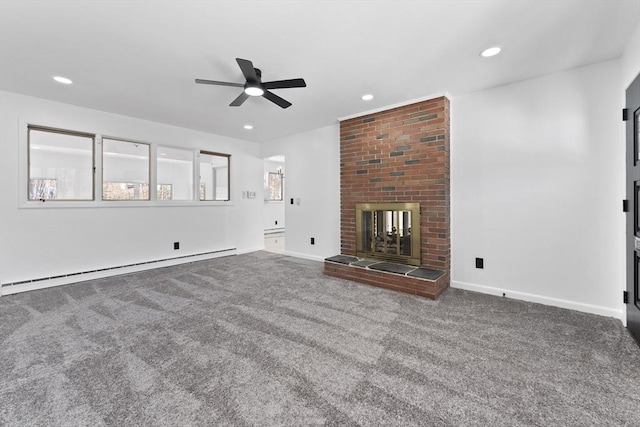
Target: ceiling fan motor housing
{"points": [[254, 87]]}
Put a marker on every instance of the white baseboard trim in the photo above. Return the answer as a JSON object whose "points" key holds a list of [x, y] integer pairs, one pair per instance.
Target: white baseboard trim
{"points": [[109, 272], [274, 230], [249, 250], [304, 256], [540, 299]]}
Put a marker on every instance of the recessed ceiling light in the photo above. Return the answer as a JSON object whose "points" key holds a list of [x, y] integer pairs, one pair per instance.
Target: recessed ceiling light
{"points": [[248, 127], [62, 80], [492, 51], [367, 97]]}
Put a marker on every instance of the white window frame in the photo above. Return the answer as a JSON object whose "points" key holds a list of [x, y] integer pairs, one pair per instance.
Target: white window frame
{"points": [[97, 202], [150, 172], [194, 174], [218, 154], [24, 166]]}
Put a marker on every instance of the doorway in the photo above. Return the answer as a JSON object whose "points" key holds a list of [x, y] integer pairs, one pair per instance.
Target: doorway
{"points": [[274, 207], [632, 296]]}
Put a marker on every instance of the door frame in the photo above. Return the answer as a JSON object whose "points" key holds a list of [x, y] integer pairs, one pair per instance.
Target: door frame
{"points": [[631, 115]]}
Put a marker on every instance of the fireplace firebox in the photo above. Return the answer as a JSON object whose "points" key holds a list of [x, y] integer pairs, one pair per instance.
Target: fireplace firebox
{"points": [[384, 231]]}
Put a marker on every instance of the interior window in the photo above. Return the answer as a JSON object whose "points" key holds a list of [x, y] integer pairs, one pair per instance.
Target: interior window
{"points": [[175, 174], [214, 176], [60, 164], [125, 170]]}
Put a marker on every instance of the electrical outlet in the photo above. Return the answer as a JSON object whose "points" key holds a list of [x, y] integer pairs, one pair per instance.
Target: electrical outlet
{"points": [[176, 245], [479, 262], [313, 240]]}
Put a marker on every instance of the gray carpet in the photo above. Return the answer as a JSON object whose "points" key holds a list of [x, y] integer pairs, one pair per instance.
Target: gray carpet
{"points": [[263, 339]]}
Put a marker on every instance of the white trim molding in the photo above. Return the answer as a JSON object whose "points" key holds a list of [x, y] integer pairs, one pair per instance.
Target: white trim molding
{"points": [[249, 250], [304, 256], [541, 299], [400, 104]]}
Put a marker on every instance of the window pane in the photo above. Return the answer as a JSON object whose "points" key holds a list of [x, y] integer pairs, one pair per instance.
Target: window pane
{"points": [[60, 165], [43, 189], [125, 170], [164, 192], [175, 174], [275, 186], [125, 191], [214, 176]]}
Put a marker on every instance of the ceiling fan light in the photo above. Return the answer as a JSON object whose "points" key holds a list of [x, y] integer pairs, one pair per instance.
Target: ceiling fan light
{"points": [[253, 91]]}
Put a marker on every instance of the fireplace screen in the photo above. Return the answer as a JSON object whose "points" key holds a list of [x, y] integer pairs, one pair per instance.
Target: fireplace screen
{"points": [[384, 230]]}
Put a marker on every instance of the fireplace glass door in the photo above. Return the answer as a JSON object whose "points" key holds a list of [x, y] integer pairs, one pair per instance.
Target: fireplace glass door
{"points": [[384, 230]]}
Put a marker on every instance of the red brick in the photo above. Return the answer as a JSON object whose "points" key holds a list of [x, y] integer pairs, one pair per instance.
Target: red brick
{"points": [[426, 182]]}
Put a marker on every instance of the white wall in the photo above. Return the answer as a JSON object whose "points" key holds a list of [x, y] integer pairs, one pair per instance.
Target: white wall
{"points": [[273, 210], [537, 179], [44, 241], [313, 176], [631, 59]]}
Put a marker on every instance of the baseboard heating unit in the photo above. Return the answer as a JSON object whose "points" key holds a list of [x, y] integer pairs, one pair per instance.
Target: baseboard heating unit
{"points": [[81, 276]]}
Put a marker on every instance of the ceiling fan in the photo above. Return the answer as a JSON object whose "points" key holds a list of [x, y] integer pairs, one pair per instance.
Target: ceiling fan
{"points": [[254, 86]]}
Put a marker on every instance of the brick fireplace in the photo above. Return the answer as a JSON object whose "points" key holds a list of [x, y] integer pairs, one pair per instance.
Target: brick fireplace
{"points": [[397, 156]]}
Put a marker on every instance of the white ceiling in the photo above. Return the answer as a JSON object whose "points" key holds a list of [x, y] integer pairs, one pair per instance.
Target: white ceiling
{"points": [[140, 58]]}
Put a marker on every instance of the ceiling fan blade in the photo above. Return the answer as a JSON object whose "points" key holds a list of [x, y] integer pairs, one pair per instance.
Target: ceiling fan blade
{"points": [[239, 100], [247, 69], [213, 82], [276, 99], [284, 84]]}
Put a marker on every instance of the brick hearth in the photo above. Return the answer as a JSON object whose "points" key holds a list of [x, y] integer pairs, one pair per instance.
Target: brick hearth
{"points": [[398, 155]]}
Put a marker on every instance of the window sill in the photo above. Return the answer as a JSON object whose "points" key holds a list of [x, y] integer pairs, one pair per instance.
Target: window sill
{"points": [[74, 204]]}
